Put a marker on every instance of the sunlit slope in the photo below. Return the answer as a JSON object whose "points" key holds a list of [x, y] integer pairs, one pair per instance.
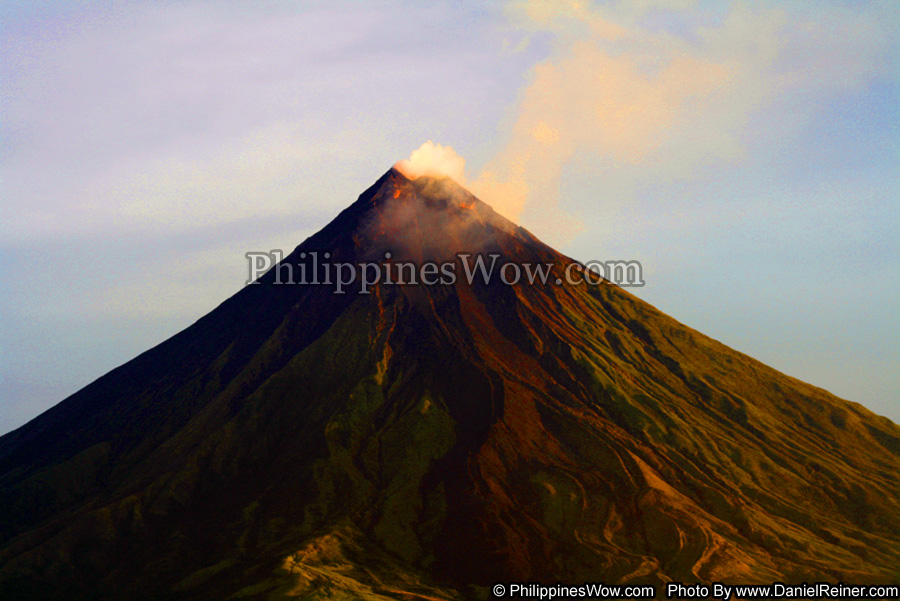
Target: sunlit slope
{"points": [[428, 441]]}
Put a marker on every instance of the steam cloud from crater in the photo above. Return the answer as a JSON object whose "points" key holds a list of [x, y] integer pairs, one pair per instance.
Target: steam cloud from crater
{"points": [[434, 160]]}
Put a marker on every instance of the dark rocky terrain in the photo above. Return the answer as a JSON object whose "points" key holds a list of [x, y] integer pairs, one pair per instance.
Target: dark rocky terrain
{"points": [[424, 442]]}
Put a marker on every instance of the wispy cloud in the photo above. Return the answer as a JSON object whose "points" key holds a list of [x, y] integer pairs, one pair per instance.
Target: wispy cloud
{"points": [[657, 90]]}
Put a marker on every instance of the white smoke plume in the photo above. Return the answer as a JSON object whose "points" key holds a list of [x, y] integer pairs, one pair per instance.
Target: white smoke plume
{"points": [[434, 160]]}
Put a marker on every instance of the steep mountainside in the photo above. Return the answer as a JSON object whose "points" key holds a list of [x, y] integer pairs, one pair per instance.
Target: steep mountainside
{"points": [[424, 442]]}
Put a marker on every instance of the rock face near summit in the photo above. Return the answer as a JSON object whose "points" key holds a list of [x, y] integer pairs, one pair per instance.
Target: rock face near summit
{"points": [[424, 442]]}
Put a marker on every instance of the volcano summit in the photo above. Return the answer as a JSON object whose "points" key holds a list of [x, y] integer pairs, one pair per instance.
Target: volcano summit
{"points": [[426, 442]]}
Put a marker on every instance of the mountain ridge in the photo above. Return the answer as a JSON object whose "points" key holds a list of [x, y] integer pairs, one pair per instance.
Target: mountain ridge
{"points": [[432, 440]]}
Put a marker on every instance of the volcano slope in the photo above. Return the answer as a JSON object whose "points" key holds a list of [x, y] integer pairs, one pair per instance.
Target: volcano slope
{"points": [[424, 442]]}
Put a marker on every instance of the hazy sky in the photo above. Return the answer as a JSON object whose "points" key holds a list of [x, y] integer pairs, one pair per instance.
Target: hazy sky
{"points": [[748, 154]]}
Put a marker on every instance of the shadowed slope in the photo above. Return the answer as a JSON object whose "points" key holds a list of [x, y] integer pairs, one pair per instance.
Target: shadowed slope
{"points": [[427, 441]]}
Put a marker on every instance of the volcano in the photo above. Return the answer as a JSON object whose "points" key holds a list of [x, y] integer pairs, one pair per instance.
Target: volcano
{"points": [[427, 441]]}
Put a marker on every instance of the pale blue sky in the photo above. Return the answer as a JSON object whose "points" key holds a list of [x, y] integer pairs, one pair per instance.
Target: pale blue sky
{"points": [[746, 153]]}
